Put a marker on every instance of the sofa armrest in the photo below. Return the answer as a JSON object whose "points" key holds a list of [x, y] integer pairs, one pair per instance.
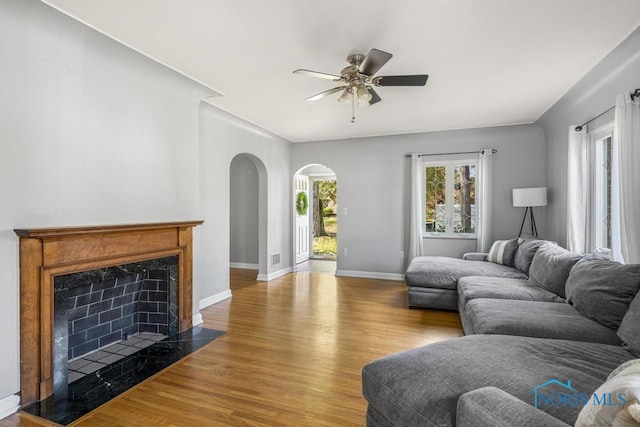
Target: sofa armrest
{"points": [[491, 406], [475, 256]]}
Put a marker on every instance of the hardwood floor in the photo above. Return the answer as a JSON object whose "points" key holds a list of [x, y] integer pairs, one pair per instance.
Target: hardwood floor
{"points": [[292, 356]]}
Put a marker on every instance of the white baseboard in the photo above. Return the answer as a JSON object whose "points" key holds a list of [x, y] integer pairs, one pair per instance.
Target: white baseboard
{"points": [[9, 405], [197, 319], [206, 302], [243, 265], [213, 299], [274, 275], [370, 275]]}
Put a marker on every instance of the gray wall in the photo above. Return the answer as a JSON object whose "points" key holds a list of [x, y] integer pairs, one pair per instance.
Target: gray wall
{"points": [[593, 94], [244, 211], [373, 182]]}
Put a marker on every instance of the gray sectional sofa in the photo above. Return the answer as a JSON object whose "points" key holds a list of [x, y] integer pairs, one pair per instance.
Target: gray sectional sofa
{"points": [[562, 326]]}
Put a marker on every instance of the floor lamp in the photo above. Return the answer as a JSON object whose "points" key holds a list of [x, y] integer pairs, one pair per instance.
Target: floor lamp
{"points": [[528, 198]]}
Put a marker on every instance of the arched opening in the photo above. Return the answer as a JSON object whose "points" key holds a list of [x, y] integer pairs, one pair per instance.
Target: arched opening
{"points": [[248, 214], [315, 229]]}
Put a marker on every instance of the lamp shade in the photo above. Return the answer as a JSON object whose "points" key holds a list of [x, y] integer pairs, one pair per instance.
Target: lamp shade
{"points": [[525, 197], [346, 96], [363, 95]]}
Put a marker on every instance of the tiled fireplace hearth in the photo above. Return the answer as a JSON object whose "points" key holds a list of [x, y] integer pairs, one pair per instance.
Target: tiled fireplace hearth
{"points": [[84, 288]]}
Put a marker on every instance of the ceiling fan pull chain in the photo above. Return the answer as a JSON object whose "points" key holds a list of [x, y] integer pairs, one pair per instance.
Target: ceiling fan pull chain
{"points": [[353, 108]]}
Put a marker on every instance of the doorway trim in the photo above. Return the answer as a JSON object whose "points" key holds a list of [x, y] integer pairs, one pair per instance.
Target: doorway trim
{"points": [[312, 177]]}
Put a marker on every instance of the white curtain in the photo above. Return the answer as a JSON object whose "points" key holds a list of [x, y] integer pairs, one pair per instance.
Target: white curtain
{"points": [[417, 220], [484, 201], [578, 191], [626, 134]]}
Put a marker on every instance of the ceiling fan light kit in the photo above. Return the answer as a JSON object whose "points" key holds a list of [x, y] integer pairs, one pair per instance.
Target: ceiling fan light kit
{"points": [[357, 79], [346, 96], [363, 95]]}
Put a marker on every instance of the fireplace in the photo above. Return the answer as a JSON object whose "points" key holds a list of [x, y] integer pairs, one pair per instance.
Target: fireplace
{"points": [[142, 272]]}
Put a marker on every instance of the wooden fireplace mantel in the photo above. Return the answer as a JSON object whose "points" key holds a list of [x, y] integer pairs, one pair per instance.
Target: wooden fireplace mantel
{"points": [[48, 252]]}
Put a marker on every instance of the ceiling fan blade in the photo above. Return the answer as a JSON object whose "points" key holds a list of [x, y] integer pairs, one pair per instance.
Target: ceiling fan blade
{"points": [[375, 98], [374, 60], [325, 93], [318, 74], [414, 80]]}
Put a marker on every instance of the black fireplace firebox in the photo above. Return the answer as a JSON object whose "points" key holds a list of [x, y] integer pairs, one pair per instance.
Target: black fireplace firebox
{"points": [[96, 308]]}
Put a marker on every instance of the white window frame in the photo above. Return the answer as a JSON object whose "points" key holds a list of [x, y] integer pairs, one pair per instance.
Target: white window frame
{"points": [[449, 165], [597, 236]]}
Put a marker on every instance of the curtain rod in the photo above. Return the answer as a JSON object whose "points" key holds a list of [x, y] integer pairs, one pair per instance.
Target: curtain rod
{"points": [[493, 150], [635, 94]]}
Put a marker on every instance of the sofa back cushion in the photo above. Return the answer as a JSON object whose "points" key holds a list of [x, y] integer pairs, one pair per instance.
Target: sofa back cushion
{"points": [[503, 251], [550, 267], [525, 252], [629, 331], [602, 290]]}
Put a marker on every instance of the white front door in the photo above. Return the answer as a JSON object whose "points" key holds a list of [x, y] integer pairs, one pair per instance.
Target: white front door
{"points": [[302, 221]]}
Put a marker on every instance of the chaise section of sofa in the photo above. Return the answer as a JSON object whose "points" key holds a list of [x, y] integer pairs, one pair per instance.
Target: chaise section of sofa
{"points": [[433, 280], [423, 386]]}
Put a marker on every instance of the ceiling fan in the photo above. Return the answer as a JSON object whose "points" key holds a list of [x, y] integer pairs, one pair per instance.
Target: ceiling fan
{"points": [[357, 79]]}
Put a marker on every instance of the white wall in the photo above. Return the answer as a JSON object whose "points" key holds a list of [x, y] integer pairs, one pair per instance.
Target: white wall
{"points": [[373, 177], [243, 211], [92, 132], [596, 92]]}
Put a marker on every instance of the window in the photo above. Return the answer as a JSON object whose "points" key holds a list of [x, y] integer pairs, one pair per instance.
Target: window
{"points": [[601, 155], [450, 198]]}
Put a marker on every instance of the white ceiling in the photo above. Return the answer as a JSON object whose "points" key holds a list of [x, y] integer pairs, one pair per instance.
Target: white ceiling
{"points": [[490, 62]]}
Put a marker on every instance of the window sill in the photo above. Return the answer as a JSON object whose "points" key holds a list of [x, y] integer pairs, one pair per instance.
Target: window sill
{"points": [[449, 236]]}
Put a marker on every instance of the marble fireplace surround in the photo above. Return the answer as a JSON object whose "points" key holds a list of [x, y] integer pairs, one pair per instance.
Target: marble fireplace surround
{"points": [[49, 252]]}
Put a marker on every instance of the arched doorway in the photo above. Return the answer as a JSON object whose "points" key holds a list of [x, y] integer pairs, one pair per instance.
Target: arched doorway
{"points": [[248, 214], [315, 233]]}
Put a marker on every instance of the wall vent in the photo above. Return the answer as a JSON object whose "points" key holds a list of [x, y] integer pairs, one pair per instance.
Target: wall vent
{"points": [[275, 259]]}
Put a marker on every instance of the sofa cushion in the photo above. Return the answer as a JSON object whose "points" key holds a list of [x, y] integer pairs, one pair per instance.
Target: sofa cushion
{"points": [[551, 266], [624, 381], [473, 287], [444, 272], [629, 330], [534, 319], [503, 251], [603, 289], [525, 252], [422, 386]]}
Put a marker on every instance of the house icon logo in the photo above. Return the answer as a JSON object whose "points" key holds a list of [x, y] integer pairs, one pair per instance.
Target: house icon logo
{"points": [[538, 393], [557, 393]]}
